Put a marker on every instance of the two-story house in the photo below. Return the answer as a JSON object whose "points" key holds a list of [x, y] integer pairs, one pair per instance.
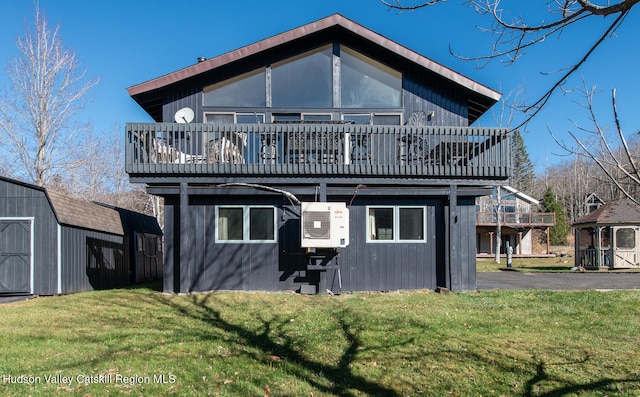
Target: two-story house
{"points": [[517, 216], [330, 112]]}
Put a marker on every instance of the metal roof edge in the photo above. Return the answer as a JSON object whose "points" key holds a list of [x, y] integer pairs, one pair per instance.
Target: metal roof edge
{"points": [[305, 30]]}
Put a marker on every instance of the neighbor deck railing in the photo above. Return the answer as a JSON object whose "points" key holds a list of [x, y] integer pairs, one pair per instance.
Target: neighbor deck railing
{"points": [[317, 149], [517, 218]]}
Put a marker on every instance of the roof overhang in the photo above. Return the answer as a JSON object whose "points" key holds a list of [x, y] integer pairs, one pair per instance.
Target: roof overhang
{"points": [[484, 96]]}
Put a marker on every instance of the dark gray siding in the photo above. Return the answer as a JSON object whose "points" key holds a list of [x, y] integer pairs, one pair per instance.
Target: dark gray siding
{"points": [[189, 97], [447, 103], [463, 251], [22, 201], [388, 266], [92, 260], [212, 266], [282, 266]]}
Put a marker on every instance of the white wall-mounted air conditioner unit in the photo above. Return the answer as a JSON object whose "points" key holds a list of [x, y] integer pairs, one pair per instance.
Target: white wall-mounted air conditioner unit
{"points": [[325, 225]]}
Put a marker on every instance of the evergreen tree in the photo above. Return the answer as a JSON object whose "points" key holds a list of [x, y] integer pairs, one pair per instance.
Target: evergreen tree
{"points": [[557, 234], [522, 173]]}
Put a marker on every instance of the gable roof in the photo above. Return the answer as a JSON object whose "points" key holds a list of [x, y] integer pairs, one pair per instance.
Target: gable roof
{"points": [[149, 94], [614, 212], [521, 195], [136, 221], [86, 215], [93, 216]]}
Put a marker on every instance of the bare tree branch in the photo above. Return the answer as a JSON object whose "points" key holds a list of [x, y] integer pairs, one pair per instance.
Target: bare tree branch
{"points": [[513, 38], [398, 5], [617, 163], [48, 89]]}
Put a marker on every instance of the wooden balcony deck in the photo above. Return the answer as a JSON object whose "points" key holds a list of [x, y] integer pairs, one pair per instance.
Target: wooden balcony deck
{"points": [[517, 219], [223, 152]]}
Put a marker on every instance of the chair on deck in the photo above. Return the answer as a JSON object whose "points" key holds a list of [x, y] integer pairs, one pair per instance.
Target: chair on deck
{"points": [[413, 149], [228, 149]]}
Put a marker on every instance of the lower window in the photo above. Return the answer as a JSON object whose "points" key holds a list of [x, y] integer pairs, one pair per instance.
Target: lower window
{"points": [[254, 224], [396, 224]]}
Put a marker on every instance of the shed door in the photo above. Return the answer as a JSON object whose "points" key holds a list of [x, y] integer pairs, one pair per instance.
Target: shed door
{"points": [[626, 247], [15, 256]]}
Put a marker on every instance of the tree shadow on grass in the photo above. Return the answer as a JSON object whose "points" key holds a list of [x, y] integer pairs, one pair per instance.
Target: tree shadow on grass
{"points": [[541, 376], [338, 379]]}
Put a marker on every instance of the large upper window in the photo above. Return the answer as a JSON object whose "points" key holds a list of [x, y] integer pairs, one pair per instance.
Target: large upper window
{"points": [[304, 81], [246, 90], [396, 224], [254, 224], [367, 83], [307, 81]]}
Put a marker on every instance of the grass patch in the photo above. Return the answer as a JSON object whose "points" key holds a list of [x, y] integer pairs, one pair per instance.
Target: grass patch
{"points": [[502, 343], [547, 265]]}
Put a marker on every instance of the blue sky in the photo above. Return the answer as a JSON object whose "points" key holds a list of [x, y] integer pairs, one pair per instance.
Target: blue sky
{"points": [[128, 42]]}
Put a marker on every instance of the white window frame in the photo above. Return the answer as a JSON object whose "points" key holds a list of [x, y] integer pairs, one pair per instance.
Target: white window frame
{"points": [[246, 219], [371, 115], [374, 114], [396, 224], [304, 115], [235, 115]]}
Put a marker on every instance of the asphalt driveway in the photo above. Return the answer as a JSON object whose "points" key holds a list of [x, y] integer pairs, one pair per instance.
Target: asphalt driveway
{"points": [[513, 280]]}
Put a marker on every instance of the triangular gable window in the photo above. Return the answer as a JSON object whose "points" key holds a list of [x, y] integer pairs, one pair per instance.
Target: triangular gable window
{"points": [[367, 83], [246, 90]]}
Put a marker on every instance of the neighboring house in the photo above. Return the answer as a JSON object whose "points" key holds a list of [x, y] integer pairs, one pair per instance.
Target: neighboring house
{"points": [[609, 237], [327, 112], [518, 217], [592, 202], [52, 244]]}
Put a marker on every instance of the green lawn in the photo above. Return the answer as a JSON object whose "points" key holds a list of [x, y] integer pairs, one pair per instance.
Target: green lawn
{"points": [[487, 343]]}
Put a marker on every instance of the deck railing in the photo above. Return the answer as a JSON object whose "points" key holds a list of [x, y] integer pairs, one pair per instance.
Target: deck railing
{"points": [[517, 218], [317, 149], [593, 258]]}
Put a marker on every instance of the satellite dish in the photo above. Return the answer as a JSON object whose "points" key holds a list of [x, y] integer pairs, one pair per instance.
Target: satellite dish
{"points": [[184, 115]]}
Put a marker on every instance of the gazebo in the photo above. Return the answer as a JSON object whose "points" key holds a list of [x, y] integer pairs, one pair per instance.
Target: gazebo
{"points": [[609, 237]]}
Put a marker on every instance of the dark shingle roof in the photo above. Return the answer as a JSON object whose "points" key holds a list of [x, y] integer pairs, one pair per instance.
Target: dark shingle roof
{"points": [[615, 212], [136, 221], [84, 214], [94, 216]]}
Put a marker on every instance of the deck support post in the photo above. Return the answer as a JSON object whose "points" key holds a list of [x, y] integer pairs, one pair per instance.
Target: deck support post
{"points": [[548, 241], [323, 192], [184, 238], [491, 243], [519, 243], [451, 253]]}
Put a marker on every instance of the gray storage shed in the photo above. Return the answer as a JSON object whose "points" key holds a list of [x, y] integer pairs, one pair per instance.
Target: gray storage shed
{"points": [[53, 244]]}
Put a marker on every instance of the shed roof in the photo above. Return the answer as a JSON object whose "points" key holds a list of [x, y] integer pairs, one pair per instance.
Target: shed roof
{"points": [[93, 216], [79, 213], [622, 212], [136, 221], [149, 94]]}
